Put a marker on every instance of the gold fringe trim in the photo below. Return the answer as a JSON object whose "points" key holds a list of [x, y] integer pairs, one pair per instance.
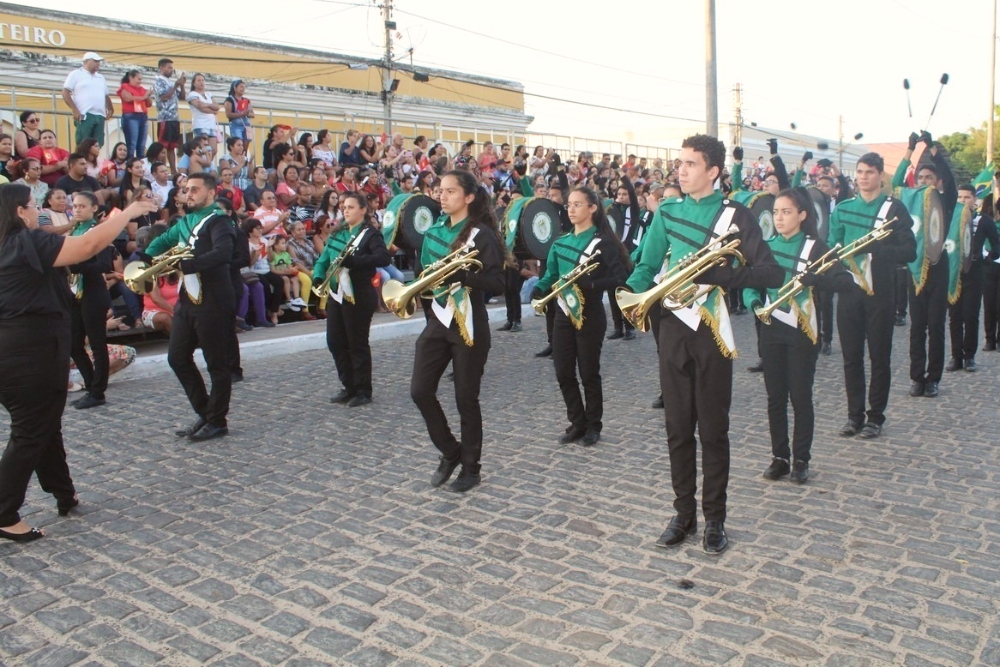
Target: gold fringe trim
{"points": [[711, 320], [805, 322], [577, 322], [853, 267], [463, 328], [958, 289]]}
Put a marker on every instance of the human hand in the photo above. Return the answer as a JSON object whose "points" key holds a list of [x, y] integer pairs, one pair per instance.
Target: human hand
{"points": [[772, 145], [911, 142], [738, 153]]}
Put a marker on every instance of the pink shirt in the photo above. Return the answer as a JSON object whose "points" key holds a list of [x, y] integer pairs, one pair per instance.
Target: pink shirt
{"points": [[284, 189]]}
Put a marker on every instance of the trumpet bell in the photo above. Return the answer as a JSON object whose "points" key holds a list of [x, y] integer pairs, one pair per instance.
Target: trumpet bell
{"points": [[137, 278], [392, 292], [632, 306]]}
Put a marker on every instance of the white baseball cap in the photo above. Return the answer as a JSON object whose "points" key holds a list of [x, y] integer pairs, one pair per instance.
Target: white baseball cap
{"points": [[90, 55]]}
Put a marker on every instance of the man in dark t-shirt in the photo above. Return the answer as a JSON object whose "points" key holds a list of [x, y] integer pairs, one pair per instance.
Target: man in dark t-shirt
{"points": [[258, 186], [76, 178]]}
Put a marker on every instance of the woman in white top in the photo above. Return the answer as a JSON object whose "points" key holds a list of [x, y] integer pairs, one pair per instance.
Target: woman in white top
{"points": [[323, 149], [203, 110]]}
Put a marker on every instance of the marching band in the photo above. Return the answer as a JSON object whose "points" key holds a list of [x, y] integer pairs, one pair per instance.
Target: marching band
{"points": [[689, 250]]}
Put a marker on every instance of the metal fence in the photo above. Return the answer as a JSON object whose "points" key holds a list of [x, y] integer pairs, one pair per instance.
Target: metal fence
{"points": [[56, 116]]}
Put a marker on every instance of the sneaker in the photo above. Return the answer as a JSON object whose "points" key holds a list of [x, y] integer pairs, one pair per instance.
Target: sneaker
{"points": [[297, 301], [777, 469], [506, 327], [849, 430], [292, 306], [970, 365], [88, 401], [800, 472], [516, 327], [953, 365], [629, 334], [465, 482], [443, 472], [616, 335], [870, 430], [900, 320]]}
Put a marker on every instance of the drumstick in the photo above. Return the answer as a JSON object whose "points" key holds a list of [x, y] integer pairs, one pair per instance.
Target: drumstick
{"points": [[944, 82], [909, 105]]}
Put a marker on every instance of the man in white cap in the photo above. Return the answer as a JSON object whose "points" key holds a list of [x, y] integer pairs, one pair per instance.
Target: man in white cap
{"points": [[86, 93]]}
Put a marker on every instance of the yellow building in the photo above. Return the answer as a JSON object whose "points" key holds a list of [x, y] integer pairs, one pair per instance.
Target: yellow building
{"points": [[303, 88]]}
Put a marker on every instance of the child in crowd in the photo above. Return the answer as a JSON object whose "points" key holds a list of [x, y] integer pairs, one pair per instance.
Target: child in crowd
{"points": [[282, 265]]}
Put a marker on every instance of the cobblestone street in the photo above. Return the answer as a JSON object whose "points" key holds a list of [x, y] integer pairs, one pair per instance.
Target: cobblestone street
{"points": [[310, 535]]}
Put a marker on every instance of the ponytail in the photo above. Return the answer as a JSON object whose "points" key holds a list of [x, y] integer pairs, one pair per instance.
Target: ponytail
{"points": [[600, 220], [480, 212]]}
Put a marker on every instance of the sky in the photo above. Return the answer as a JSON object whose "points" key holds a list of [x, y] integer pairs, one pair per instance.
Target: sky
{"points": [[646, 60]]}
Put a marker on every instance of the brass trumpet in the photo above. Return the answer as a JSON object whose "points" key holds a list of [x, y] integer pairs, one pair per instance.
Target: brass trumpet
{"points": [[401, 299], [565, 282], [678, 289], [794, 286], [333, 270], [140, 276], [871, 237]]}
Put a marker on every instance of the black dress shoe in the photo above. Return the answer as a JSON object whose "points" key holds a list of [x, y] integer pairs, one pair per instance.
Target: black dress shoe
{"points": [[465, 481], [630, 334], [777, 469], [547, 352], [990, 346], [208, 432], [193, 428], [715, 541], [970, 365], [900, 320], [344, 396], [931, 391], [917, 388], [658, 403], [953, 365], [88, 401], [758, 368], [800, 472], [516, 328], [506, 327], [616, 335], [443, 472], [678, 530], [361, 398], [237, 377], [573, 433], [590, 438], [64, 507], [827, 349], [849, 430], [871, 430]]}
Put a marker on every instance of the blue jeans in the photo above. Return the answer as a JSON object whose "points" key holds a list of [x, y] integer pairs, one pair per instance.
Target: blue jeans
{"points": [[240, 130], [134, 127], [133, 302]]}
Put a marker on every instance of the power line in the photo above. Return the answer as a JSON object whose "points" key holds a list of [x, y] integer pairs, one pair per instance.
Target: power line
{"points": [[548, 53]]}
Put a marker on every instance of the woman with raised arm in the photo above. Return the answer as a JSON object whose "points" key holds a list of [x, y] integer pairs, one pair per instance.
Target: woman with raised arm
{"points": [[35, 337]]}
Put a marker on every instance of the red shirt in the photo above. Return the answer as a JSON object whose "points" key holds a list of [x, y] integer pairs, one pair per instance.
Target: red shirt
{"points": [[49, 156], [137, 105], [235, 195]]}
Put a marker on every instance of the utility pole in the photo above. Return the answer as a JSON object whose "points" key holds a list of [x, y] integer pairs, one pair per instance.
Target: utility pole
{"points": [[738, 108], [993, 73], [840, 148], [387, 91], [711, 77]]}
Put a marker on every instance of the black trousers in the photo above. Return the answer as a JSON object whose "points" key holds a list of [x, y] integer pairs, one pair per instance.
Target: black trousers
{"points": [[274, 289], [902, 280], [88, 321], [574, 350], [235, 361], [697, 384], [963, 315], [928, 311], [616, 314], [512, 293], [734, 300], [33, 371], [991, 301], [205, 326], [789, 368], [436, 347], [347, 328], [866, 319], [824, 300], [550, 320]]}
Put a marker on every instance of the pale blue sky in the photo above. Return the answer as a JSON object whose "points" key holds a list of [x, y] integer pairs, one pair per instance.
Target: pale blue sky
{"points": [[796, 63]]}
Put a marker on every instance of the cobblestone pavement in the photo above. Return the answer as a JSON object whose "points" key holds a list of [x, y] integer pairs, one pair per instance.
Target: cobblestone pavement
{"points": [[310, 536]]}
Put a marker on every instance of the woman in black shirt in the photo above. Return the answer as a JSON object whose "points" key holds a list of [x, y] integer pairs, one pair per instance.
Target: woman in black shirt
{"points": [[35, 337]]}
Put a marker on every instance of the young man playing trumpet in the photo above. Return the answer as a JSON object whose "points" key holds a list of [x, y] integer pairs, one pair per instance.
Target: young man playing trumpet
{"points": [[696, 342]]}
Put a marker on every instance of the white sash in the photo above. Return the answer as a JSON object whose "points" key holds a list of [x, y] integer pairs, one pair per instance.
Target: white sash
{"points": [[790, 318], [192, 282], [446, 312], [587, 252], [344, 285], [880, 221]]}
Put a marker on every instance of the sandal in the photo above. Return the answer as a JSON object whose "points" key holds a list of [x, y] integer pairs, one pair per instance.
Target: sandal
{"points": [[30, 536]]}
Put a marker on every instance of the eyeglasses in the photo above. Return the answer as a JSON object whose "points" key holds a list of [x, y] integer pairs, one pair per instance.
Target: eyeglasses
{"points": [[770, 182], [31, 120], [576, 204]]}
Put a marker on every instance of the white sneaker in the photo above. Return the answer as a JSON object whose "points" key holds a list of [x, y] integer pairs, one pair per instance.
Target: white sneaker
{"points": [[292, 306], [297, 301]]}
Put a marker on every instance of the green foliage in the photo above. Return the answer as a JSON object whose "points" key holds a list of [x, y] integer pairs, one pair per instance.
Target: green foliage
{"points": [[968, 149]]}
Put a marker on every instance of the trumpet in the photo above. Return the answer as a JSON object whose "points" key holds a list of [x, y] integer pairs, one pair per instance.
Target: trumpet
{"points": [[678, 289], [794, 286], [332, 271], [871, 237], [585, 267], [140, 276], [401, 298]]}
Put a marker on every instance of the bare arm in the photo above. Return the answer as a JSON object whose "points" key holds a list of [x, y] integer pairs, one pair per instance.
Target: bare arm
{"points": [[67, 96], [76, 249]]}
